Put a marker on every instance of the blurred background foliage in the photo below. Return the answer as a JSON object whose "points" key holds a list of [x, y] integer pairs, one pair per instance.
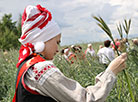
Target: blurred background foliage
{"points": [[9, 32]]}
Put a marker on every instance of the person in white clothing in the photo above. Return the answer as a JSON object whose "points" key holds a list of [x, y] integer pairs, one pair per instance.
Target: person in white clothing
{"points": [[106, 54], [67, 53], [90, 50], [43, 81]]}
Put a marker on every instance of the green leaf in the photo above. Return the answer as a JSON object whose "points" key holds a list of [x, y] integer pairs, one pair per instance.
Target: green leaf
{"points": [[119, 28]]}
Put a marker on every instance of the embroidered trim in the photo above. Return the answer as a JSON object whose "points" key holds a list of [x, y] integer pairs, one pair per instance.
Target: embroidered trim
{"points": [[38, 73], [27, 88], [48, 73]]}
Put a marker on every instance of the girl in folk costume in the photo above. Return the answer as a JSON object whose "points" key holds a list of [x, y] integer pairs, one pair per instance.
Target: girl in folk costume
{"points": [[38, 79]]}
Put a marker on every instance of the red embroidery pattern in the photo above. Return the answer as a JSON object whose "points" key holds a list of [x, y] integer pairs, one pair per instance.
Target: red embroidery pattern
{"points": [[41, 72]]}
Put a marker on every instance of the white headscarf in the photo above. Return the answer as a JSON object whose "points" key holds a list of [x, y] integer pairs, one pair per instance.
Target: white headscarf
{"points": [[37, 28], [38, 35]]}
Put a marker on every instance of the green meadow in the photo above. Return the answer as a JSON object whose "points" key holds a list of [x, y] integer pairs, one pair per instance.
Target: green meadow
{"points": [[84, 71]]}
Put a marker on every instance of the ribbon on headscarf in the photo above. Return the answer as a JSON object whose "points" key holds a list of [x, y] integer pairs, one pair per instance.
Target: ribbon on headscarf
{"points": [[41, 23], [25, 51]]}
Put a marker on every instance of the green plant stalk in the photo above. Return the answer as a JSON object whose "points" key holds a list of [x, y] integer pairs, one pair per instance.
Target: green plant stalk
{"points": [[125, 73], [126, 27], [103, 25], [127, 78], [129, 85], [119, 94], [119, 28]]}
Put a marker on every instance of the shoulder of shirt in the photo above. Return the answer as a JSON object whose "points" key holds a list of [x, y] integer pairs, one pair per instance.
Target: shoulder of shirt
{"points": [[44, 64], [102, 49], [111, 49], [42, 70]]}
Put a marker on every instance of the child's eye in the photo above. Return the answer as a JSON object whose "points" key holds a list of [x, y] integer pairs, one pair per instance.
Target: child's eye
{"points": [[58, 42]]}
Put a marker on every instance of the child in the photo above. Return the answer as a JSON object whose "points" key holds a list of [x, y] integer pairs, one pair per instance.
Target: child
{"points": [[38, 79]]}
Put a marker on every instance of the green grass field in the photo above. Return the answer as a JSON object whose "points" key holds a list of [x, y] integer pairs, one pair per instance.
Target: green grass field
{"points": [[82, 71]]}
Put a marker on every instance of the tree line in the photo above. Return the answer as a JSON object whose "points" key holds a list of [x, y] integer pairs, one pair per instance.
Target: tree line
{"points": [[10, 31]]}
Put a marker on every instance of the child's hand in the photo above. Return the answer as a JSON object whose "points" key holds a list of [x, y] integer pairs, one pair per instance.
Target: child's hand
{"points": [[118, 64]]}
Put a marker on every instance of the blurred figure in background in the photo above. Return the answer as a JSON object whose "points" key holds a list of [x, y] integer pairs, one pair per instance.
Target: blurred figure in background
{"points": [[72, 46], [77, 50], [100, 46], [90, 50], [69, 56], [66, 53], [117, 43], [124, 45], [135, 41], [106, 54]]}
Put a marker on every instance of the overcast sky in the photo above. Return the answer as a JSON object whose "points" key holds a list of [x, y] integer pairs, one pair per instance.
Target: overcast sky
{"points": [[75, 16]]}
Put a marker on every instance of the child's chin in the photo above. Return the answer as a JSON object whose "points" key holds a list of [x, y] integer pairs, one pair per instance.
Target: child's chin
{"points": [[51, 58]]}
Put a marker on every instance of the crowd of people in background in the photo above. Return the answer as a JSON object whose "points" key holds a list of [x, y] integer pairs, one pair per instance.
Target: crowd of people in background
{"points": [[105, 54], [73, 53]]}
